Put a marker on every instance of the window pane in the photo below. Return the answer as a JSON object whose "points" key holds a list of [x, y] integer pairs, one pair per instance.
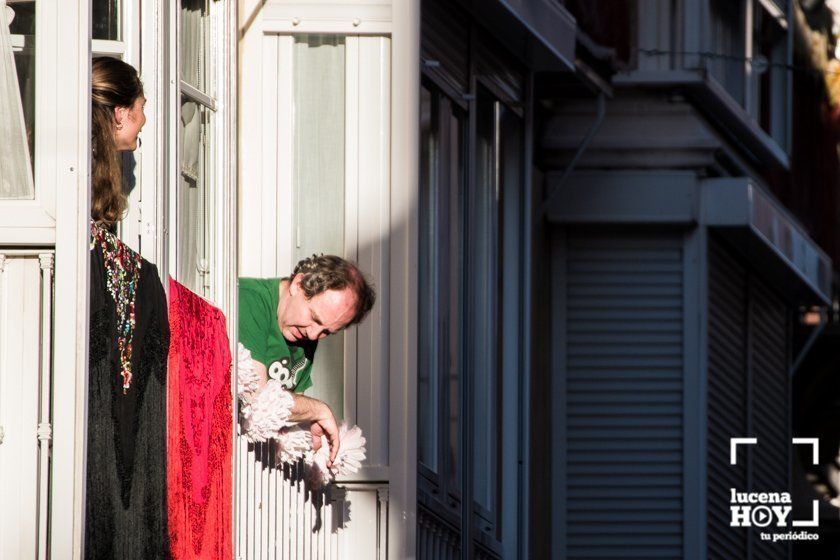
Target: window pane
{"points": [[194, 204], [727, 38], [195, 43], [509, 355], [17, 101], [318, 181], [452, 287], [769, 73], [106, 20], [428, 372], [483, 293]]}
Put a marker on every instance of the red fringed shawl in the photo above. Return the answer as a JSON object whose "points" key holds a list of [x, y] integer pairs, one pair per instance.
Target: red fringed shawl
{"points": [[199, 405]]}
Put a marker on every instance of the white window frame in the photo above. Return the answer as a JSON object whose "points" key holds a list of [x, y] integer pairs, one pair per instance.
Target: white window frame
{"points": [[58, 217], [367, 178], [221, 182], [397, 285], [32, 222]]}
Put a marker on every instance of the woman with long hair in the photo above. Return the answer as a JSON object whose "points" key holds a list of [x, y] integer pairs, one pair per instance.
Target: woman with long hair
{"points": [[117, 116], [126, 514]]}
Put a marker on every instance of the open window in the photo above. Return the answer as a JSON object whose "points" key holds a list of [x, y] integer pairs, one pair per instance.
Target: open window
{"points": [[200, 198], [316, 178]]}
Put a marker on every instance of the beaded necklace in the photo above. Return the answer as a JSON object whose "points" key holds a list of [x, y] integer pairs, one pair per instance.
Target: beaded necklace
{"points": [[122, 275]]}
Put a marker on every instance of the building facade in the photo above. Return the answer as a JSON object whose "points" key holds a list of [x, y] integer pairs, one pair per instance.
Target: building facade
{"points": [[603, 236]]}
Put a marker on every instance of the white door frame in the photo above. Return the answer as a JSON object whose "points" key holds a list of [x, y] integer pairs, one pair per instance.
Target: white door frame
{"points": [[63, 40]]}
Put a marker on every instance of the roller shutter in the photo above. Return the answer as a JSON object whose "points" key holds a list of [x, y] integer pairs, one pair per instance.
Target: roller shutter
{"points": [[748, 396], [770, 402], [624, 389], [727, 399]]}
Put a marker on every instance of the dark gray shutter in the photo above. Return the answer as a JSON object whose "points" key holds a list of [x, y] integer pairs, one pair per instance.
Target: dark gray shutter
{"points": [[726, 399], [770, 388], [445, 45], [748, 396], [499, 71], [624, 390]]}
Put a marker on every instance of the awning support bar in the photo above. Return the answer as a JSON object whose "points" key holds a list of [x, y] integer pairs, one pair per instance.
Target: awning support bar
{"points": [[593, 130]]}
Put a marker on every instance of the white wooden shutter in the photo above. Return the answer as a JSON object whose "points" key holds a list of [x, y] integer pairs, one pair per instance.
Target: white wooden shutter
{"points": [[25, 428]]}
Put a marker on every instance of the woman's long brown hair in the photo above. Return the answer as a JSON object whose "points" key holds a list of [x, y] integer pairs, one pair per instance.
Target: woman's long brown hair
{"points": [[113, 84]]}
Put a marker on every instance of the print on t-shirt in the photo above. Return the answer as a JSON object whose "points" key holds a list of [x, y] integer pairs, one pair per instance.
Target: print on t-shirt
{"points": [[286, 376], [280, 371]]}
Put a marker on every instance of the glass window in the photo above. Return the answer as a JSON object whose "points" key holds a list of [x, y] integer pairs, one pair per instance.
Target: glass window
{"points": [[484, 305], [452, 288], [194, 203], [195, 44], [728, 48], [463, 259], [17, 108], [441, 317], [748, 56], [318, 181], [106, 20], [195, 228], [769, 73], [428, 375]]}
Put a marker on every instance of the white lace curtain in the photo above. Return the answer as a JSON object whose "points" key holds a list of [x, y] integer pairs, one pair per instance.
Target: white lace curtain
{"points": [[194, 22], [15, 166]]}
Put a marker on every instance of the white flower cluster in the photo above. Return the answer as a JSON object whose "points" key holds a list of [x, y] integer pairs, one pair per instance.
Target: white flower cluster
{"points": [[351, 453], [264, 413], [265, 416]]}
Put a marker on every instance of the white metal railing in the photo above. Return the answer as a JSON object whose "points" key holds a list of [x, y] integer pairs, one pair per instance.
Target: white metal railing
{"points": [[26, 318], [279, 517]]}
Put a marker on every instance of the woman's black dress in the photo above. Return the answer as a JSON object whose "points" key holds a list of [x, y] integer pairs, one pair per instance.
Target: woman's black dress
{"points": [[126, 454]]}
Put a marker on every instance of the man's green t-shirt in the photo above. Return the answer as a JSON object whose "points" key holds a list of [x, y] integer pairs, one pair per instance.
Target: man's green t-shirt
{"points": [[259, 332]]}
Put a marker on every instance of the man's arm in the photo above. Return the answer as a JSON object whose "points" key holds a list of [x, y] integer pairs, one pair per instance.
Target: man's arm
{"points": [[322, 420], [306, 409]]}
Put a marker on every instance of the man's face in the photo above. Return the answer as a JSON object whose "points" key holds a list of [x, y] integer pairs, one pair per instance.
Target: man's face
{"points": [[313, 319]]}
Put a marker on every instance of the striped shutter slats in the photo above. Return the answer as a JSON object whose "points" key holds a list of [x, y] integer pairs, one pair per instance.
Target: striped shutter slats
{"points": [[624, 376]]}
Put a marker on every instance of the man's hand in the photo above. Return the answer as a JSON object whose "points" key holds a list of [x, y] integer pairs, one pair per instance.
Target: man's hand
{"points": [[322, 423]]}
